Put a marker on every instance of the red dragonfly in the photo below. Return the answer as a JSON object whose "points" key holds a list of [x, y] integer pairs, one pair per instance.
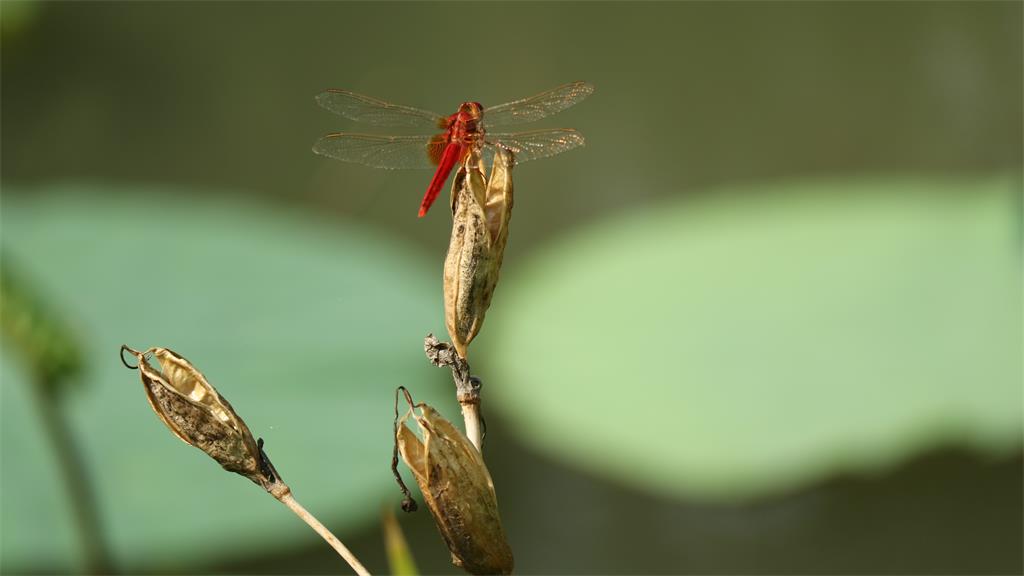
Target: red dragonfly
{"points": [[461, 132]]}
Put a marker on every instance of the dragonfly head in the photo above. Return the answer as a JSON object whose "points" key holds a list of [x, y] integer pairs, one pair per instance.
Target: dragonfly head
{"points": [[470, 111]]}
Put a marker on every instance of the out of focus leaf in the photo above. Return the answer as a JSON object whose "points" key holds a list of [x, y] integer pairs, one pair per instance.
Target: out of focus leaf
{"points": [[756, 340], [306, 324], [17, 17], [400, 558], [35, 329]]}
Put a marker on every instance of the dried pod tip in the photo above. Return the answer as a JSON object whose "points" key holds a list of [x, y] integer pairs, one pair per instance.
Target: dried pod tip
{"points": [[136, 353], [408, 504], [457, 489], [195, 412]]}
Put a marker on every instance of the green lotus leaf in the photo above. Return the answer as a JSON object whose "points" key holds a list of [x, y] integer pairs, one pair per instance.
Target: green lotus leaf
{"points": [[306, 325], [754, 340]]}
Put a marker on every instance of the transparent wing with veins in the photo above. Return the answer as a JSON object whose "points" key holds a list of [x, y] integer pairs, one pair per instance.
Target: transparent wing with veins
{"points": [[401, 152], [536, 107], [369, 110], [393, 152], [534, 144]]}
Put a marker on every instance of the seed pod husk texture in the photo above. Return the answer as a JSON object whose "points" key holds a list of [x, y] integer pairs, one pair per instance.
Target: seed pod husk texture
{"points": [[458, 490], [197, 414], [481, 210]]}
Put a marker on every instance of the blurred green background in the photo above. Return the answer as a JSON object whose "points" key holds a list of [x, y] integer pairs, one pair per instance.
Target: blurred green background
{"points": [[767, 321]]}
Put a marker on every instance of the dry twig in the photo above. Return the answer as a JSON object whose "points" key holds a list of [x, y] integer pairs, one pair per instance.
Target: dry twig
{"points": [[467, 387]]}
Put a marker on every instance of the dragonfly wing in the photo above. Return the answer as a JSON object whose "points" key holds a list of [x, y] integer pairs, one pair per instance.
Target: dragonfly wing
{"points": [[378, 112], [536, 107], [393, 152], [536, 143]]}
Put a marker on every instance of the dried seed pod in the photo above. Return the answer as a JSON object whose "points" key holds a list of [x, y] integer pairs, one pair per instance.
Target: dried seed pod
{"points": [[197, 414], [481, 210], [458, 490]]}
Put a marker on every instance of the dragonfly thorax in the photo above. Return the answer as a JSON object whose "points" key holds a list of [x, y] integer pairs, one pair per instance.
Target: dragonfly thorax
{"points": [[465, 124]]}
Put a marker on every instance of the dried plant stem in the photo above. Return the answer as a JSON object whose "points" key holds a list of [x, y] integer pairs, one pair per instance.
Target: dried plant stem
{"points": [[467, 388], [471, 416], [288, 500]]}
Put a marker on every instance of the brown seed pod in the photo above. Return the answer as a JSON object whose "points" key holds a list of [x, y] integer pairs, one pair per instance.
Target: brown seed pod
{"points": [[457, 488], [481, 210], [197, 414]]}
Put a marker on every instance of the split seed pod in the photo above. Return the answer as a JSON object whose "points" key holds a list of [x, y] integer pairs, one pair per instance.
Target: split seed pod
{"points": [[481, 210], [198, 415], [457, 488]]}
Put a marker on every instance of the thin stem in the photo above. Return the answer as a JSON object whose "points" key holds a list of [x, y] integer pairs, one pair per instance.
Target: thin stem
{"points": [[288, 500], [75, 476], [471, 416]]}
